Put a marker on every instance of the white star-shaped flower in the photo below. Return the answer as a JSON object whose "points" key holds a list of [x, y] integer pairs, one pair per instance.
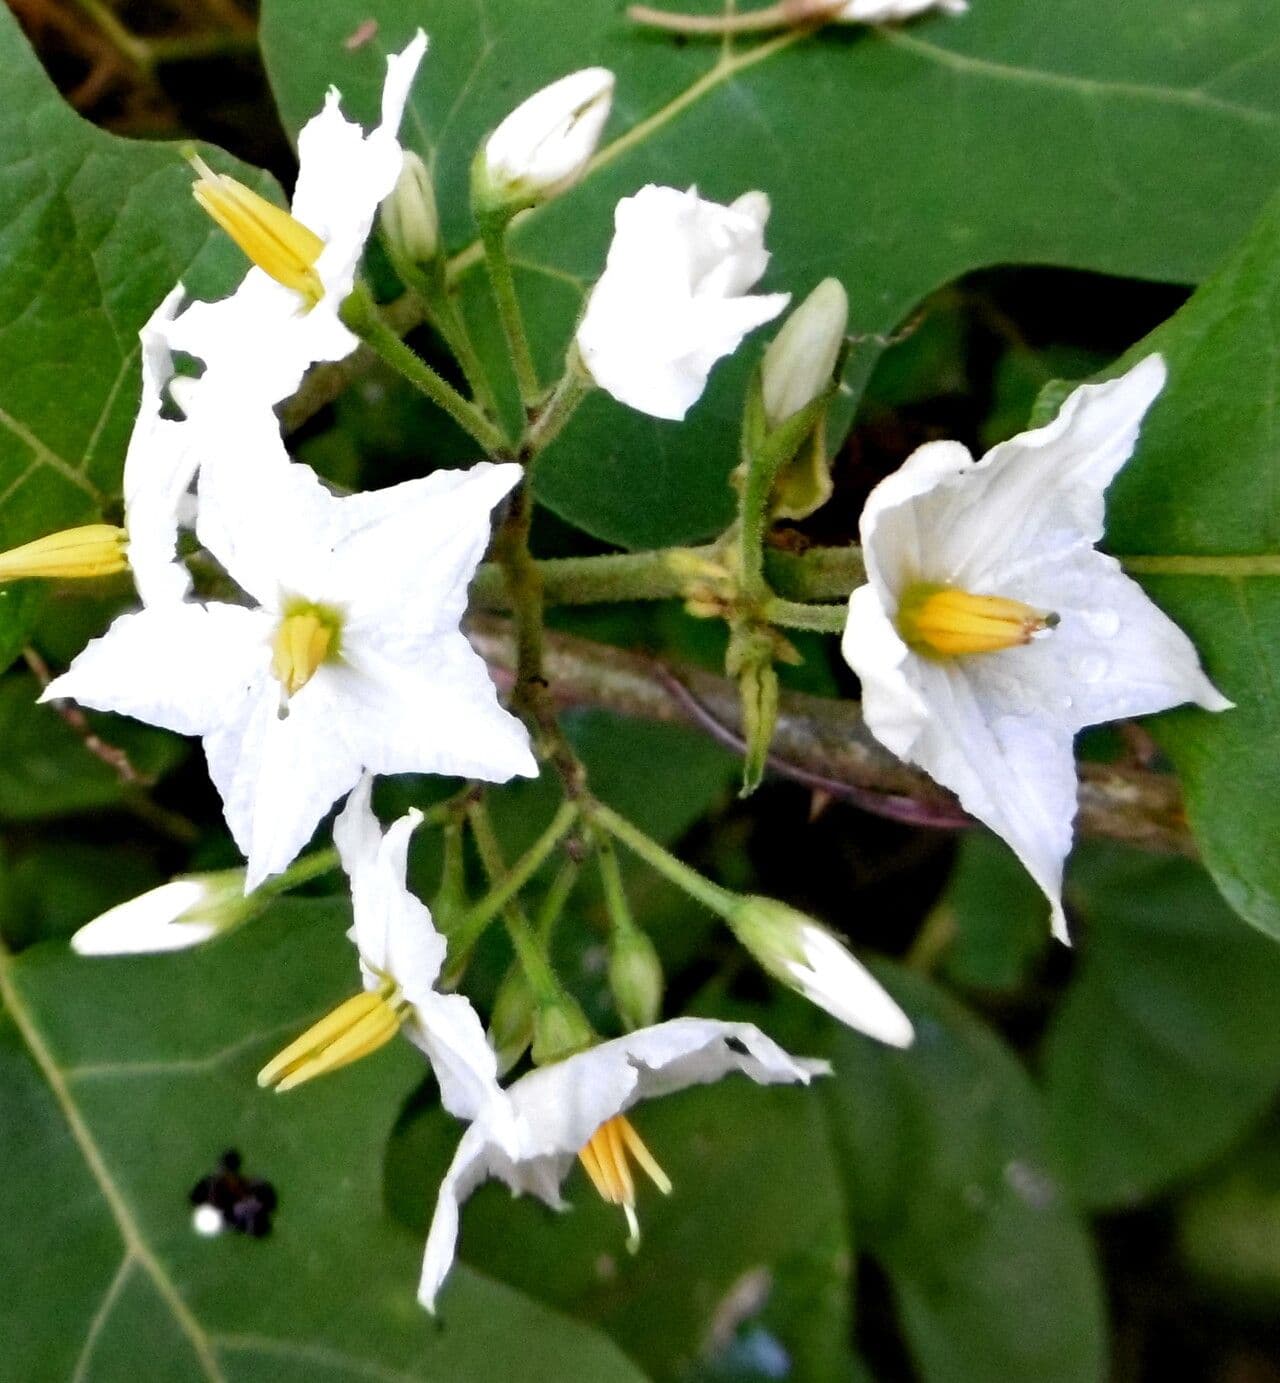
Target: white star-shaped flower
{"points": [[401, 957], [284, 316], [575, 1109], [350, 657], [674, 296], [991, 630]]}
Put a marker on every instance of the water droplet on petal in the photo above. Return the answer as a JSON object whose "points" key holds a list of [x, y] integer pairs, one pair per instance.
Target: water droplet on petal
{"points": [[1103, 624], [1090, 667]]}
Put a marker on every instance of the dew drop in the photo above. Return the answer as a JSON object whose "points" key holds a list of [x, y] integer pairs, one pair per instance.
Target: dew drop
{"points": [[1090, 667], [1103, 624]]}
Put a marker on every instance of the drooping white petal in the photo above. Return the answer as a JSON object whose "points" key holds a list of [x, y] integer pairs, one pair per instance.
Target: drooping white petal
{"points": [[182, 667], [559, 1107], [261, 340], [672, 299], [393, 930], [398, 942]]}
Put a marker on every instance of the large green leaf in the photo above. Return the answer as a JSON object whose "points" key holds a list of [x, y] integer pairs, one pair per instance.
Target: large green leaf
{"points": [[948, 1186], [1093, 135], [1201, 499], [1167, 1045], [123, 1081], [94, 231]]}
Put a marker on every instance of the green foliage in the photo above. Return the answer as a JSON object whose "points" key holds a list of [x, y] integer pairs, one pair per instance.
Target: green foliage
{"points": [[1166, 1047], [1199, 488], [124, 1082], [948, 1185]]}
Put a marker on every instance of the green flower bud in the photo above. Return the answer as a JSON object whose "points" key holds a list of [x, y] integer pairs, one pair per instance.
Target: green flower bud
{"points": [[560, 1029], [410, 220], [635, 977], [512, 1020]]}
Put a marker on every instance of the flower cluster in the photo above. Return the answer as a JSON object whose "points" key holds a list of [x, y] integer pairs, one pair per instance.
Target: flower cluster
{"points": [[326, 648]]}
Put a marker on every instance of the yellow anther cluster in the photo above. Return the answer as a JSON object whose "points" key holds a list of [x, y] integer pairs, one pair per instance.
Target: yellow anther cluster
{"points": [[277, 243], [97, 549], [605, 1157], [945, 622], [353, 1030], [302, 643]]}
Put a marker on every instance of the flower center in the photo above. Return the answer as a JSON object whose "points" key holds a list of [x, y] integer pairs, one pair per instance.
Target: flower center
{"points": [[353, 1030], [306, 637], [605, 1156], [277, 243], [945, 622], [97, 549]]}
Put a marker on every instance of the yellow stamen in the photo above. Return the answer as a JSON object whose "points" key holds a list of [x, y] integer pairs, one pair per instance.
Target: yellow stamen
{"points": [[353, 1030], [942, 621], [277, 243], [97, 549], [605, 1159], [304, 641]]}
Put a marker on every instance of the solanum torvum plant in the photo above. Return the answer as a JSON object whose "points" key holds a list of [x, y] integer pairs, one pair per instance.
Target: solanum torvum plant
{"points": [[321, 639]]}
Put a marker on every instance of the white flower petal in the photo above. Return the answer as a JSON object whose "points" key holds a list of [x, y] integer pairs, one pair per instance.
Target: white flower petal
{"points": [[559, 1107], [438, 713], [278, 775], [261, 340], [449, 1031], [158, 470], [177, 666]]}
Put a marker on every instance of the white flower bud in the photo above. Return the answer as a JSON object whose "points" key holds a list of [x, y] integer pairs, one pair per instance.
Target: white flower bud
{"points": [[803, 954], [182, 913], [674, 296], [635, 976], [543, 147], [801, 360], [410, 220]]}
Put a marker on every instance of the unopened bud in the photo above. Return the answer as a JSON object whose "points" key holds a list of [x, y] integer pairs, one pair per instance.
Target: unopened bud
{"points": [[512, 1019], [803, 954], [800, 362], [96, 549], [543, 147], [185, 912], [635, 977], [410, 220], [560, 1029], [758, 692]]}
